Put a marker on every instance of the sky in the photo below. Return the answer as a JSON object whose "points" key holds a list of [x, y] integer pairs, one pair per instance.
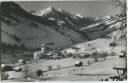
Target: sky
{"points": [[92, 8]]}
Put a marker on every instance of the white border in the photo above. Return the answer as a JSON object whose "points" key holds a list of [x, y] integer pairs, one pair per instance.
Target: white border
{"points": [[75, 81], [54, 0]]}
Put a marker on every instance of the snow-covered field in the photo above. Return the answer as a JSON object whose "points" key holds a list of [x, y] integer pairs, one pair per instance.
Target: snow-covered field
{"points": [[95, 71], [100, 45], [68, 72]]}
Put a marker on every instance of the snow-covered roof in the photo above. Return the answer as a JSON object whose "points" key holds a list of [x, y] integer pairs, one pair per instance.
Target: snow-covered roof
{"points": [[3, 65]]}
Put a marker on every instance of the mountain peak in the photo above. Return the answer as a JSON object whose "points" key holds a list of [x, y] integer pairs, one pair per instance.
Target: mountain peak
{"points": [[50, 8], [45, 11], [60, 10], [79, 15]]}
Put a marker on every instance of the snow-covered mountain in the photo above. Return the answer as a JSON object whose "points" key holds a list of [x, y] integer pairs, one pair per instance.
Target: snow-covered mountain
{"points": [[45, 11], [108, 25], [20, 27], [67, 20], [111, 30], [49, 25]]}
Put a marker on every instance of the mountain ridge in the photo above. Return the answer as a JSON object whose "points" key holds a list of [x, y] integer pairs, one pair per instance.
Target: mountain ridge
{"points": [[31, 30], [63, 29]]}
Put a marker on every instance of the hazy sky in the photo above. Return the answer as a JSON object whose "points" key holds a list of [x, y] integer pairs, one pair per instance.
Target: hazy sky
{"points": [[87, 8]]}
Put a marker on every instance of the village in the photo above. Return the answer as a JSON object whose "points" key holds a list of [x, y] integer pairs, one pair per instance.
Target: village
{"points": [[56, 43], [48, 65]]}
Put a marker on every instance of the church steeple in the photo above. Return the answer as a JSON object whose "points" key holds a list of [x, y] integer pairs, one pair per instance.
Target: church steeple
{"points": [[43, 48]]}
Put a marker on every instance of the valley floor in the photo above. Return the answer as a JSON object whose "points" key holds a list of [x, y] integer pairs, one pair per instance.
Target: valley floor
{"points": [[95, 71]]}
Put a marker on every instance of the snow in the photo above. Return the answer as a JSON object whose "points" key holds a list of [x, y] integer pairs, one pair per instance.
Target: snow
{"points": [[3, 65], [44, 11], [61, 10], [106, 17], [77, 62], [16, 68], [52, 19], [79, 15], [94, 71], [15, 75], [100, 45], [91, 26]]}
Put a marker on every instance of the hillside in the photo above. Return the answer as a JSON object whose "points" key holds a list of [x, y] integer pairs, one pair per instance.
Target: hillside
{"points": [[28, 33], [52, 25], [21, 27], [109, 35]]}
